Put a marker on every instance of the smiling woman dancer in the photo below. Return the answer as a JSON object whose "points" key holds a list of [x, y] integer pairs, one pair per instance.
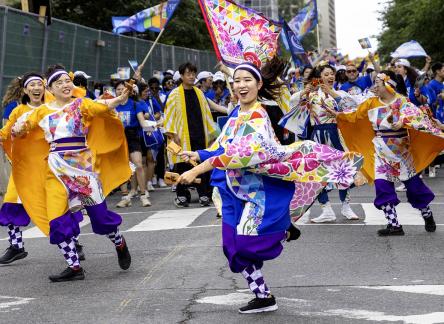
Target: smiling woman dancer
{"points": [[85, 156], [251, 166]]}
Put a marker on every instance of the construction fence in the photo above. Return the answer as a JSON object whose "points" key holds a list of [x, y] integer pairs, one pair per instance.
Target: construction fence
{"points": [[27, 44]]}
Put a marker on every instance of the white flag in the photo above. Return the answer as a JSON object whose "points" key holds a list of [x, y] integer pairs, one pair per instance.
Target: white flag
{"points": [[409, 49]]}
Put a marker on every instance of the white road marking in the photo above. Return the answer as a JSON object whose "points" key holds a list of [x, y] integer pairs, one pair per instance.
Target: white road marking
{"points": [[6, 302], [229, 299], [168, 219], [407, 215], [437, 290]]}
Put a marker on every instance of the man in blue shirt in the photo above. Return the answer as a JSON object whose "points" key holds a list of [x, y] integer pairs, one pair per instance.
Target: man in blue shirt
{"points": [[356, 84], [438, 88]]}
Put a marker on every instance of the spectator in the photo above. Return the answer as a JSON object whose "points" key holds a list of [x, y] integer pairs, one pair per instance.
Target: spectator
{"points": [[81, 80], [11, 99]]}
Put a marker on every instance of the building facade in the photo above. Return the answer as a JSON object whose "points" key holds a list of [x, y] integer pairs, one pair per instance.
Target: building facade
{"points": [[327, 23], [268, 7]]}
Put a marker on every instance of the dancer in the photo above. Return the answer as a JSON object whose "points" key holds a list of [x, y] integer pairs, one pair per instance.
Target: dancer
{"points": [[250, 168], [391, 136], [310, 118], [85, 157]]}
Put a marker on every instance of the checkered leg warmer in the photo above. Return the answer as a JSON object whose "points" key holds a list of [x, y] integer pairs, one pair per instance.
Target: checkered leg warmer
{"points": [[390, 214], [116, 237], [256, 281], [15, 236], [68, 248]]}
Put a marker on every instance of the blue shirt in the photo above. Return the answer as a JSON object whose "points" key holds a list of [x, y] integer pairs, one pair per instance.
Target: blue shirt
{"points": [[128, 112], [358, 86], [437, 88], [211, 94], [9, 108]]}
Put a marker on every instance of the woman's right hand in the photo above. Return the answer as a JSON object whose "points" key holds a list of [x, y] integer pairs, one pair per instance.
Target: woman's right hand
{"points": [[189, 155]]}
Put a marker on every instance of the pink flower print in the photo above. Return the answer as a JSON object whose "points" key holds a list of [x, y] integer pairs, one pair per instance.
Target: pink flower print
{"points": [[296, 160], [254, 26], [278, 169], [311, 162], [342, 172], [244, 148], [231, 150], [253, 58], [327, 153]]}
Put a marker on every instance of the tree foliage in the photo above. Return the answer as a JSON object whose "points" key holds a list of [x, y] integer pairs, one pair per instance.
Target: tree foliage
{"points": [[419, 20], [187, 27]]}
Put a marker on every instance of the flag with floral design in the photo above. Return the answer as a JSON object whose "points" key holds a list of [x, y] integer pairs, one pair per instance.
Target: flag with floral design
{"points": [[239, 33]]}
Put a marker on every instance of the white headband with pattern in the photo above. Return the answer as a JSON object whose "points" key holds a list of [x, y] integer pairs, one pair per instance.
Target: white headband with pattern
{"points": [[33, 78], [56, 74]]}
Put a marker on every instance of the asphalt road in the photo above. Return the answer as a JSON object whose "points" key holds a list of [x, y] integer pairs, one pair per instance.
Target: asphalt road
{"points": [[337, 273]]}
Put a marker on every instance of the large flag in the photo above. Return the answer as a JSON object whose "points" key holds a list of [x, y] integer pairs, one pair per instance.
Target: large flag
{"points": [[305, 20], [238, 33], [409, 49], [295, 47], [153, 19]]}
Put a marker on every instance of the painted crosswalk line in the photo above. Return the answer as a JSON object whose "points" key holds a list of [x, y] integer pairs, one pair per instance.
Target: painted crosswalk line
{"points": [[168, 219]]}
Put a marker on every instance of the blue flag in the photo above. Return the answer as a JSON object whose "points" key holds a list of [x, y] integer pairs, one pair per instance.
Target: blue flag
{"points": [[305, 20], [294, 46], [153, 19]]}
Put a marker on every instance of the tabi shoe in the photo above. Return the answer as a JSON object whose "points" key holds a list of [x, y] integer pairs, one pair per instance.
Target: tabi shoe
{"points": [[69, 274], [162, 184], [430, 225], [149, 186], [80, 253], [347, 212], [204, 201], [391, 231], [145, 201], [259, 305], [123, 255], [293, 233], [327, 215], [181, 202], [13, 254]]}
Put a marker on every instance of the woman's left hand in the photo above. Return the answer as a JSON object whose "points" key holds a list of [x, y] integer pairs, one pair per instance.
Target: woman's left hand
{"points": [[187, 177], [398, 125]]}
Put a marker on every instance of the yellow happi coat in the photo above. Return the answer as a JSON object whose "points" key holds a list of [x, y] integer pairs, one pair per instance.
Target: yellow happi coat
{"points": [[176, 121]]}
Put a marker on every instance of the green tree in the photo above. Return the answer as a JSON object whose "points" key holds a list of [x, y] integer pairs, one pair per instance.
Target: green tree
{"points": [[419, 20]]}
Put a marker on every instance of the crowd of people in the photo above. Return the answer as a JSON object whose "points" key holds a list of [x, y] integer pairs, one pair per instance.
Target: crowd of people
{"points": [[270, 141]]}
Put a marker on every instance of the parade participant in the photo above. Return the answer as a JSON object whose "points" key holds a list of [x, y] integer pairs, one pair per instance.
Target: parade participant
{"points": [[310, 118], [11, 99], [437, 86], [12, 213], [167, 87], [404, 69], [84, 157], [356, 84], [81, 80], [392, 133], [131, 113], [250, 169], [341, 77], [188, 122], [205, 79]]}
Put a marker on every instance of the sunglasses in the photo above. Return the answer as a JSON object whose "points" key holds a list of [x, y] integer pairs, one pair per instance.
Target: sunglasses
{"points": [[351, 71]]}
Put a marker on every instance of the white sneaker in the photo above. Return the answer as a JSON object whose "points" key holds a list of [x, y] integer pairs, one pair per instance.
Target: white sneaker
{"points": [[149, 186], [432, 172], [306, 217], [145, 201], [347, 212], [154, 181], [124, 202], [401, 188], [162, 184], [327, 215]]}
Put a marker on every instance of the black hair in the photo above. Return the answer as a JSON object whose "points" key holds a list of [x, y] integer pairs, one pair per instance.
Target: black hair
{"points": [[80, 80], [118, 82], [153, 80], [305, 68], [341, 76], [25, 98], [437, 66], [400, 84], [51, 70], [316, 72], [190, 66], [142, 87], [166, 79]]}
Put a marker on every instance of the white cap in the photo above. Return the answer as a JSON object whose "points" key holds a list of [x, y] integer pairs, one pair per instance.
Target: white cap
{"points": [[170, 72], [81, 73], [176, 76], [371, 67], [196, 81], [341, 67], [218, 76], [204, 75], [403, 62], [291, 70]]}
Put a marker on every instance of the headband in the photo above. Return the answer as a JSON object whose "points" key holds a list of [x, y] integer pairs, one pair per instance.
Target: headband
{"points": [[250, 67], [388, 83], [33, 78], [56, 74]]}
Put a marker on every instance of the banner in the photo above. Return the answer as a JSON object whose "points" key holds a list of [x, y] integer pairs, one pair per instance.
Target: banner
{"points": [[305, 20], [238, 33], [153, 19], [294, 46], [409, 49]]}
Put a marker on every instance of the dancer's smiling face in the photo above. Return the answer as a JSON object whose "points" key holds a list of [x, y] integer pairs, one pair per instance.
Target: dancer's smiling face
{"points": [[35, 90], [246, 87], [62, 87]]}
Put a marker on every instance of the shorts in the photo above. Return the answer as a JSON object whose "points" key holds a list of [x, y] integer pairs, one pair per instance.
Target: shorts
{"points": [[133, 139]]}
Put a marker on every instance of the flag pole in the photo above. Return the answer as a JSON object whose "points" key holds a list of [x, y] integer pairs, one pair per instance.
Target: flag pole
{"points": [[317, 36], [152, 47]]}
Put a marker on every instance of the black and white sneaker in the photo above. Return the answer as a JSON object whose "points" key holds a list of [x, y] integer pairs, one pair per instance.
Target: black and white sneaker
{"points": [[69, 274], [204, 201], [123, 255], [12, 254], [430, 225], [391, 231], [80, 253], [259, 305], [181, 202]]}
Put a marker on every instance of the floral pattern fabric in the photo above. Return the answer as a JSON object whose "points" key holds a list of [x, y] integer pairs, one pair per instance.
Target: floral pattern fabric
{"points": [[252, 151]]}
